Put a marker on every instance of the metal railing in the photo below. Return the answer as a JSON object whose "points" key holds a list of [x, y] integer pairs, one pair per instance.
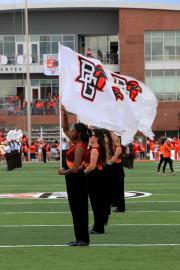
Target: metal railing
{"points": [[18, 107]]}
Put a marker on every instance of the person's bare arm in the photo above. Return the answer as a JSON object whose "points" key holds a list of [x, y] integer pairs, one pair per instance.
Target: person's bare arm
{"points": [[116, 154], [65, 122], [93, 161]]}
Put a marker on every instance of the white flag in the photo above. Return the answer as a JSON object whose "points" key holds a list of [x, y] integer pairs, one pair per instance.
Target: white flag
{"points": [[85, 91], [140, 101]]}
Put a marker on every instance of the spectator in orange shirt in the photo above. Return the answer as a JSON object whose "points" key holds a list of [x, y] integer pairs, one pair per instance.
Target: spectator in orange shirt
{"points": [[32, 151], [177, 148], [178, 151], [25, 147], [136, 149], [167, 155]]}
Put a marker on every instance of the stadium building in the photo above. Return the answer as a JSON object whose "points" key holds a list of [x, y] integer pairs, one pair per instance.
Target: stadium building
{"points": [[138, 39]]}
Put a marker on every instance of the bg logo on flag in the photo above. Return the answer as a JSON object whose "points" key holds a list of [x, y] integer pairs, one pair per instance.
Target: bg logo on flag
{"points": [[92, 77], [132, 87]]}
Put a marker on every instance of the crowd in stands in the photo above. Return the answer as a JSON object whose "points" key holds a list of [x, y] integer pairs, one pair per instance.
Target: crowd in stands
{"points": [[15, 105]]}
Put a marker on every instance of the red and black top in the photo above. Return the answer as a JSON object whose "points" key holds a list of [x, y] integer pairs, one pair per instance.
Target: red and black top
{"points": [[70, 155], [87, 157]]}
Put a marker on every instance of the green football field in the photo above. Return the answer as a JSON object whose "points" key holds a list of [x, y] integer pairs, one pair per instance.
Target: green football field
{"points": [[34, 232]]}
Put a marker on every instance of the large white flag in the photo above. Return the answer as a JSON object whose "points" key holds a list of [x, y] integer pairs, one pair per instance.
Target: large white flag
{"points": [[103, 98], [125, 114], [86, 92], [139, 98]]}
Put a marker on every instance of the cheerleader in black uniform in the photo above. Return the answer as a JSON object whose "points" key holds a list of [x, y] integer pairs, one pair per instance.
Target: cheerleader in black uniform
{"points": [[76, 182], [94, 160], [117, 182]]}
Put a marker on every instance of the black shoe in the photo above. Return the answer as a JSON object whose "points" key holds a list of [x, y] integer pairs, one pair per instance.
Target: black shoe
{"points": [[79, 244], [95, 232]]}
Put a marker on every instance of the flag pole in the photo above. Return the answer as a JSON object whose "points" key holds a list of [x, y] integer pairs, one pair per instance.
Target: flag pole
{"points": [[28, 87], [60, 115]]}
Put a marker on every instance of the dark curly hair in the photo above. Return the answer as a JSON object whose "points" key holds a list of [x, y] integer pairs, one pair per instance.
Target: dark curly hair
{"points": [[83, 130], [110, 141], [101, 141]]}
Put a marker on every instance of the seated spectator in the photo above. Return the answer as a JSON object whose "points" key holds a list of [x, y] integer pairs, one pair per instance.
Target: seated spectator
{"points": [[89, 53]]}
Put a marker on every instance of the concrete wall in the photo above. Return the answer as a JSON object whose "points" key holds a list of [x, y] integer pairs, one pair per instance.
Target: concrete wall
{"points": [[61, 22]]}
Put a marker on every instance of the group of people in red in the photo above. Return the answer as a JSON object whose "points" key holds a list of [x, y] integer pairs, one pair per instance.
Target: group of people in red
{"points": [[17, 105], [47, 107], [93, 169], [155, 148], [142, 150], [38, 150]]}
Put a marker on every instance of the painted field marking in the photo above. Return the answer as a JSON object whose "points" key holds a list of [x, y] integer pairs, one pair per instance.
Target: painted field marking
{"points": [[68, 212], [45, 201], [94, 245], [70, 225]]}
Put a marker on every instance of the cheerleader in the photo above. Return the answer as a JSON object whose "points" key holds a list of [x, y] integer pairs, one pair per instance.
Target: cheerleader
{"points": [[76, 182], [94, 160]]}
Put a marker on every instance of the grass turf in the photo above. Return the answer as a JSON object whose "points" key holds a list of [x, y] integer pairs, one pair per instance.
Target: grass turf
{"points": [[147, 236]]}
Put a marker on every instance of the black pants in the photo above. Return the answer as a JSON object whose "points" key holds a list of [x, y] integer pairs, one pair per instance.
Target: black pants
{"points": [[107, 175], [9, 161], [19, 160], [117, 186], [44, 155], [96, 196], [170, 161], [160, 162], [78, 201]]}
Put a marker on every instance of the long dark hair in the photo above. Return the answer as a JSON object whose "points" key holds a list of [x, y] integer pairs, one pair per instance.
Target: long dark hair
{"points": [[101, 141], [110, 141], [162, 140], [83, 130]]}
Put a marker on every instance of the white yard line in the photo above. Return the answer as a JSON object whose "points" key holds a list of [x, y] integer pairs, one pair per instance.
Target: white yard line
{"points": [[95, 245], [68, 212], [70, 225], [49, 201]]}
